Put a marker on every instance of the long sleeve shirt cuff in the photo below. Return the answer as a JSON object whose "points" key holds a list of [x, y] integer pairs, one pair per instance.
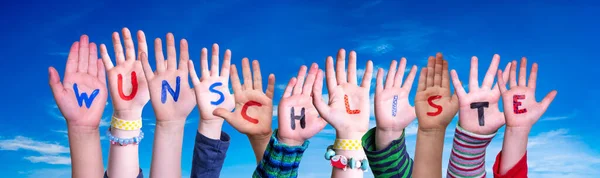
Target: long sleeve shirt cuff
{"points": [[468, 154], [519, 170], [392, 161], [209, 155], [140, 175], [280, 160]]}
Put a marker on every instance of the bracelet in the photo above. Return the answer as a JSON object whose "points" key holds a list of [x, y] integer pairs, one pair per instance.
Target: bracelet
{"points": [[125, 124], [341, 162], [124, 141], [347, 144]]}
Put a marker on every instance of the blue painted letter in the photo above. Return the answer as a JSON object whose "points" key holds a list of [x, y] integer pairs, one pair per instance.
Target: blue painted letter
{"points": [[166, 86], [83, 97], [212, 89]]}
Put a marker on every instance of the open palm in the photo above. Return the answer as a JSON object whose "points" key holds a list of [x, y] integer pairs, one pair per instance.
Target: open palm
{"points": [[253, 108], [469, 119], [126, 80], [84, 73], [169, 79], [520, 106], [434, 104], [348, 108], [393, 112], [212, 90], [305, 122]]}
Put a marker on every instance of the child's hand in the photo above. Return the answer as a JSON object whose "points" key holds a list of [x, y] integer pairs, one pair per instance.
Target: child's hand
{"points": [[434, 104], [520, 107], [305, 122], [128, 86], [348, 110], [81, 97], [479, 111], [172, 97]]}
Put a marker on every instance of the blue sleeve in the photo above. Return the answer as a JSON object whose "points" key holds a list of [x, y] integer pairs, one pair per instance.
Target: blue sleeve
{"points": [[209, 155], [140, 175]]}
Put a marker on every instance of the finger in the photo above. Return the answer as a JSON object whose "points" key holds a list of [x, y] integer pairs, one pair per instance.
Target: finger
{"points": [[228, 116], [171, 52], [271, 86], [247, 74], [352, 78], [93, 60], [445, 77], [430, 70], [411, 77], [389, 81], [457, 85], [340, 67], [101, 72], [129, 48], [488, 80], [288, 89], [159, 56], [142, 44], [146, 66], [54, 81], [105, 58], [119, 54], [379, 81], [299, 84], [439, 65], [473, 79], [368, 76], [320, 105], [400, 73], [513, 74], [523, 72], [84, 52], [501, 82], [533, 76], [72, 59], [192, 70], [226, 63], [504, 76], [204, 63], [257, 75], [235, 80], [548, 100], [330, 72], [184, 55], [422, 85], [310, 79], [214, 68]]}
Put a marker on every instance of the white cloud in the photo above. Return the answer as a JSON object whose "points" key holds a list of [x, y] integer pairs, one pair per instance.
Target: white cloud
{"points": [[281, 86], [556, 118], [275, 107], [24, 143], [105, 122], [50, 159], [48, 173]]}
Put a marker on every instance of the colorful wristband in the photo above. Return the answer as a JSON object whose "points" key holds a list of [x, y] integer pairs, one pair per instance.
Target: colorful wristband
{"points": [[346, 144], [125, 124], [342, 162], [124, 141]]}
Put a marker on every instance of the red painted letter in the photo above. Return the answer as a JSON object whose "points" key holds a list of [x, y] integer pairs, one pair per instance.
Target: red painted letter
{"points": [[348, 110], [516, 104], [134, 87], [438, 107], [245, 109]]}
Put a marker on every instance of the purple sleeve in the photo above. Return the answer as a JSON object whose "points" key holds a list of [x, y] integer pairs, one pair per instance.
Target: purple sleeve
{"points": [[209, 155]]}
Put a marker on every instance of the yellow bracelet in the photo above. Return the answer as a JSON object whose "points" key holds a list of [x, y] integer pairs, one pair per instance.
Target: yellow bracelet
{"points": [[125, 124], [344, 144]]}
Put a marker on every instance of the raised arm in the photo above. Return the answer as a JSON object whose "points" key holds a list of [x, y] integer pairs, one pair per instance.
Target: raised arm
{"points": [[347, 111], [81, 98], [521, 111], [479, 119], [253, 107], [212, 91], [435, 107], [129, 94], [384, 145], [172, 100]]}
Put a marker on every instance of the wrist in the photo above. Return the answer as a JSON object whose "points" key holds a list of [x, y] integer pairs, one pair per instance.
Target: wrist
{"points": [[517, 131], [170, 125], [210, 128], [260, 137], [383, 138], [128, 114], [289, 141], [432, 131], [349, 135], [82, 129]]}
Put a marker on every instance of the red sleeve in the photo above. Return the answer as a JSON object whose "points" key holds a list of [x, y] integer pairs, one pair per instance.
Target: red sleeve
{"points": [[519, 170]]}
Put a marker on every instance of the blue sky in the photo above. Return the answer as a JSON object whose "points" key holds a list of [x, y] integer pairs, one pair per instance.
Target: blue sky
{"points": [[561, 37]]}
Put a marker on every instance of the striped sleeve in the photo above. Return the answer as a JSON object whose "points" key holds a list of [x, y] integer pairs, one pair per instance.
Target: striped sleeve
{"points": [[390, 162], [468, 154], [280, 160]]}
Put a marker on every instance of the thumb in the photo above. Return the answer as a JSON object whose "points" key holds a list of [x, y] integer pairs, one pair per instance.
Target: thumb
{"points": [[548, 99], [225, 114], [54, 81]]}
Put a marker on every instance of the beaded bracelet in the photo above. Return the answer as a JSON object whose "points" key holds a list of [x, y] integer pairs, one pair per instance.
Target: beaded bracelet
{"points": [[341, 162], [124, 141]]}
